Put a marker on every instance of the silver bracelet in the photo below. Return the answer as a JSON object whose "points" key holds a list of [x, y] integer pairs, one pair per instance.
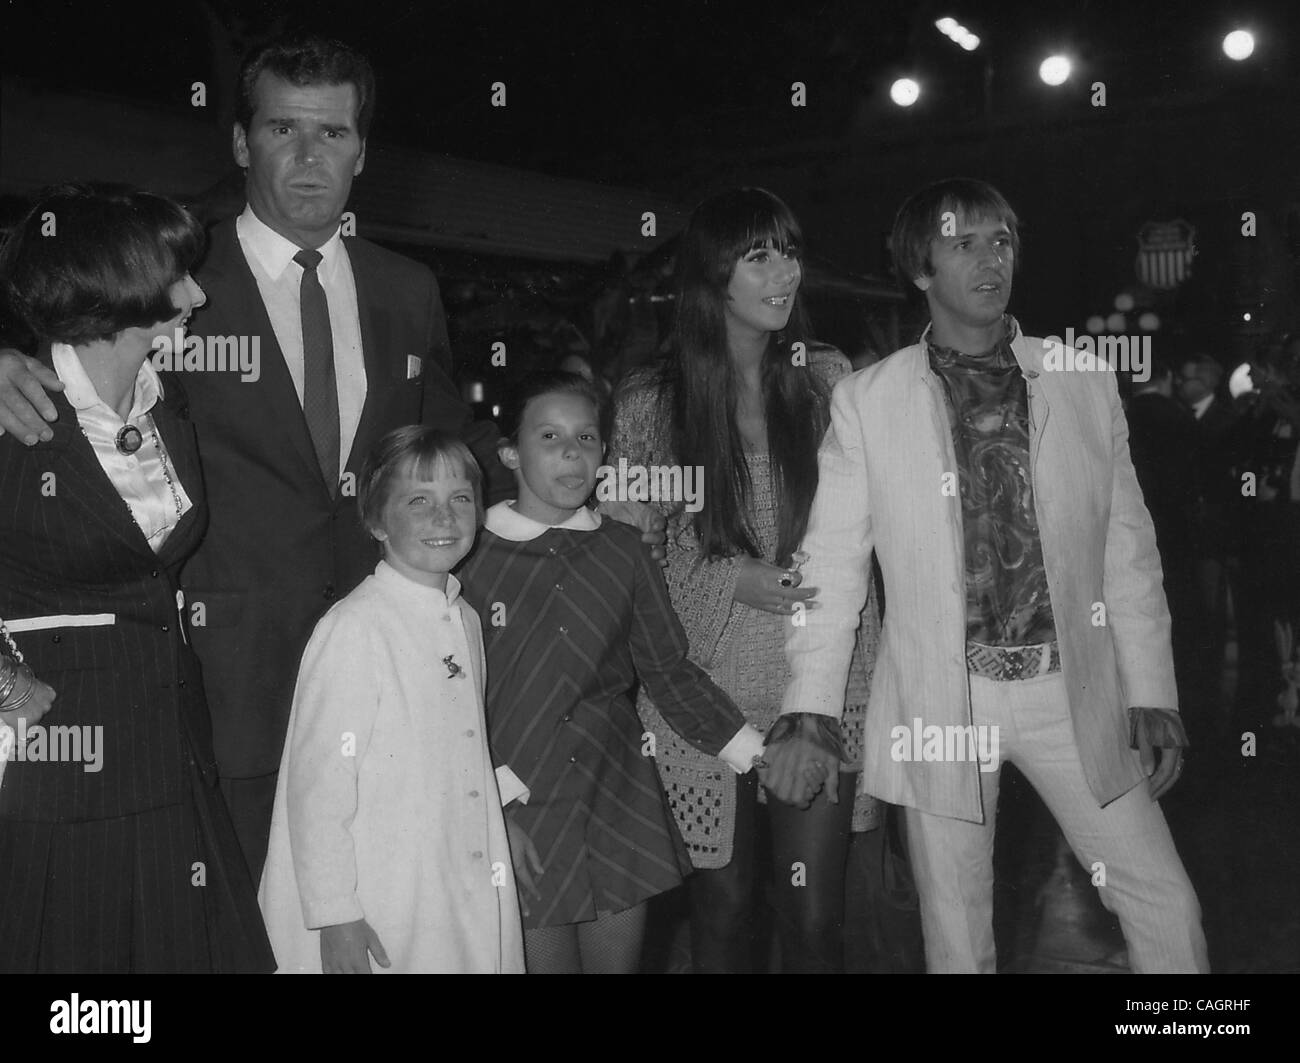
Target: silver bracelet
{"points": [[26, 695], [8, 676]]}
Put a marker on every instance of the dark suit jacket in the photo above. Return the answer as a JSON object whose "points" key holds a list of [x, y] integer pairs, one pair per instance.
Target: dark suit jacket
{"points": [[69, 546], [1220, 492], [1163, 441], [281, 548]]}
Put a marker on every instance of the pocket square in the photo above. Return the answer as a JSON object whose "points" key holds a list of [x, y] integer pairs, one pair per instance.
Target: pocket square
{"points": [[414, 367]]}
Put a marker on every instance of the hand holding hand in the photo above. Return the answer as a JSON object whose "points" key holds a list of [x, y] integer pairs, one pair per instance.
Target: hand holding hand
{"points": [[346, 949], [772, 589], [801, 760]]}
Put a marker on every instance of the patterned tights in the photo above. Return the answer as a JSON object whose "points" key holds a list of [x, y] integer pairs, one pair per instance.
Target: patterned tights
{"points": [[608, 944]]}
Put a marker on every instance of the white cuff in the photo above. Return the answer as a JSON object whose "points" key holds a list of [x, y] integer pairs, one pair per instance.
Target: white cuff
{"points": [[512, 787], [739, 753], [318, 914]]}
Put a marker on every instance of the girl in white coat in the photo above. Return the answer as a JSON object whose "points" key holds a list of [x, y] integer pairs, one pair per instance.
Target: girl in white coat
{"points": [[387, 840]]}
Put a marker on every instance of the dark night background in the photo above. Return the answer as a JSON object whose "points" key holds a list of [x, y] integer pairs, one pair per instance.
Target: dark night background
{"points": [[664, 103]]}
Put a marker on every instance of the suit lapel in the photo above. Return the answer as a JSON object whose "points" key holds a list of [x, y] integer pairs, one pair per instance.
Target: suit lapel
{"points": [[1031, 364], [375, 340], [80, 477], [233, 288]]}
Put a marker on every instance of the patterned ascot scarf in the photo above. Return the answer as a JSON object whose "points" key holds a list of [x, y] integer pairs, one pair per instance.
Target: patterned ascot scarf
{"points": [[1007, 601]]}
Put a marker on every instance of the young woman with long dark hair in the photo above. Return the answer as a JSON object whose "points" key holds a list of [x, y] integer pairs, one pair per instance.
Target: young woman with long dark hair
{"points": [[743, 399]]}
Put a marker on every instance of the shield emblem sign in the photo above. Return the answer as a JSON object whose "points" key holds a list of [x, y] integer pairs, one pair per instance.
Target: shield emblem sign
{"points": [[1165, 253]]}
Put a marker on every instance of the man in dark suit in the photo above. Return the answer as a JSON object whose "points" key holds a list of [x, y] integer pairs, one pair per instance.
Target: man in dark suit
{"points": [[1199, 377], [1163, 442], [344, 343]]}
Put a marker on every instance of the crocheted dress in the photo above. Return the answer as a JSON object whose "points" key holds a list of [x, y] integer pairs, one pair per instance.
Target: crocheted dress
{"points": [[742, 648]]}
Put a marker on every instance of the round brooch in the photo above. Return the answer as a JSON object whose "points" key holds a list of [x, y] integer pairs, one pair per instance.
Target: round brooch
{"points": [[129, 439]]}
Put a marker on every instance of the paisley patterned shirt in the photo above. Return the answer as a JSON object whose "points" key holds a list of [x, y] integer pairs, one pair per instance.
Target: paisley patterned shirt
{"points": [[1007, 601]]}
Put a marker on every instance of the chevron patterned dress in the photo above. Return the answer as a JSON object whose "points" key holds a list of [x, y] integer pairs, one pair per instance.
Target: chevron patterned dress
{"points": [[571, 620]]}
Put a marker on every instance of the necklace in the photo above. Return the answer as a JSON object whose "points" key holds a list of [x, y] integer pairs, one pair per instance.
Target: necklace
{"points": [[128, 440], [166, 470]]}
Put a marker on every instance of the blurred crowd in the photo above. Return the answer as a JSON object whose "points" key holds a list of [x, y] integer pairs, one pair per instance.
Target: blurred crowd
{"points": [[1218, 468]]}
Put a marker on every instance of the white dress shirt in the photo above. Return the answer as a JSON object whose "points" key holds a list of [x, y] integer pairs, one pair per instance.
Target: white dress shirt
{"points": [[279, 279], [140, 478]]}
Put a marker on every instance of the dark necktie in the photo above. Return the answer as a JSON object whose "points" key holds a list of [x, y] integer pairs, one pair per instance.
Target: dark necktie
{"points": [[320, 393]]}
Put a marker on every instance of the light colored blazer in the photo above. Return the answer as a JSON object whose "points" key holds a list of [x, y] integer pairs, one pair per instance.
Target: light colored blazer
{"points": [[882, 477]]}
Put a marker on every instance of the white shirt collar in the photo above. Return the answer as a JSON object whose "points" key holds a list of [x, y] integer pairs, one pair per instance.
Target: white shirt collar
{"points": [[1201, 405], [386, 574], [81, 393], [274, 253], [507, 522]]}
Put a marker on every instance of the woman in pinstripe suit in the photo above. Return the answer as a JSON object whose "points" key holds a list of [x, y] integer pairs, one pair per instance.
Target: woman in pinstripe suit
{"points": [[116, 852]]}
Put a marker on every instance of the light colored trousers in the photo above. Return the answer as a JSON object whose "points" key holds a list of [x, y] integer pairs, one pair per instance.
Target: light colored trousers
{"points": [[952, 860]]}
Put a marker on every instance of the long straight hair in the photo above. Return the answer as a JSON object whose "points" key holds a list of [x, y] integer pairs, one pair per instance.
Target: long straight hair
{"points": [[704, 386]]}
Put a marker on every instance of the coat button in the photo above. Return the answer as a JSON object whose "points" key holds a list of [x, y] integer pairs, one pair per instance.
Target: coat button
{"points": [[330, 593], [57, 638], [154, 573], [559, 586], [473, 793], [469, 733], [166, 628], [563, 630]]}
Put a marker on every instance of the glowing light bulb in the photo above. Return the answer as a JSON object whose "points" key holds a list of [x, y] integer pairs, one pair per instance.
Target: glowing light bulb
{"points": [[1054, 70], [904, 92], [1239, 45]]}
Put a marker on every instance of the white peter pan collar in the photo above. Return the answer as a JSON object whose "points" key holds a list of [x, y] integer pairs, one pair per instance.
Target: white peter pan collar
{"points": [[507, 522], [390, 577]]}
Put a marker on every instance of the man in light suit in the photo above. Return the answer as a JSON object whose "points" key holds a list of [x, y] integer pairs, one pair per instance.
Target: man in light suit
{"points": [[1025, 618]]}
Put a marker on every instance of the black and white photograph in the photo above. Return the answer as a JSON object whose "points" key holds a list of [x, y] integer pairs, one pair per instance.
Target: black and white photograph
{"points": [[688, 488]]}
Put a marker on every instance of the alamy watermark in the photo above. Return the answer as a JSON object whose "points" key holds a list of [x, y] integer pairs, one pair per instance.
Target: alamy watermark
{"points": [[950, 743], [39, 744], [651, 483], [180, 353], [1083, 354]]}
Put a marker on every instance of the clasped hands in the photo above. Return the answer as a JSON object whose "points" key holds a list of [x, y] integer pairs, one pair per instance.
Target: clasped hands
{"points": [[803, 754]]}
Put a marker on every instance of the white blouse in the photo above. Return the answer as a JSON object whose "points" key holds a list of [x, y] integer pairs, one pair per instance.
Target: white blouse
{"points": [[142, 478]]}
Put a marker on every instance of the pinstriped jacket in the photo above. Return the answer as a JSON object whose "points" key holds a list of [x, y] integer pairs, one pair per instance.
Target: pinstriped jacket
{"points": [[70, 551], [882, 480]]}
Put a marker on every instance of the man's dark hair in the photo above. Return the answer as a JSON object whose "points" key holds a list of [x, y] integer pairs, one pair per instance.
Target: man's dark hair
{"points": [[306, 61], [89, 260], [920, 220]]}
